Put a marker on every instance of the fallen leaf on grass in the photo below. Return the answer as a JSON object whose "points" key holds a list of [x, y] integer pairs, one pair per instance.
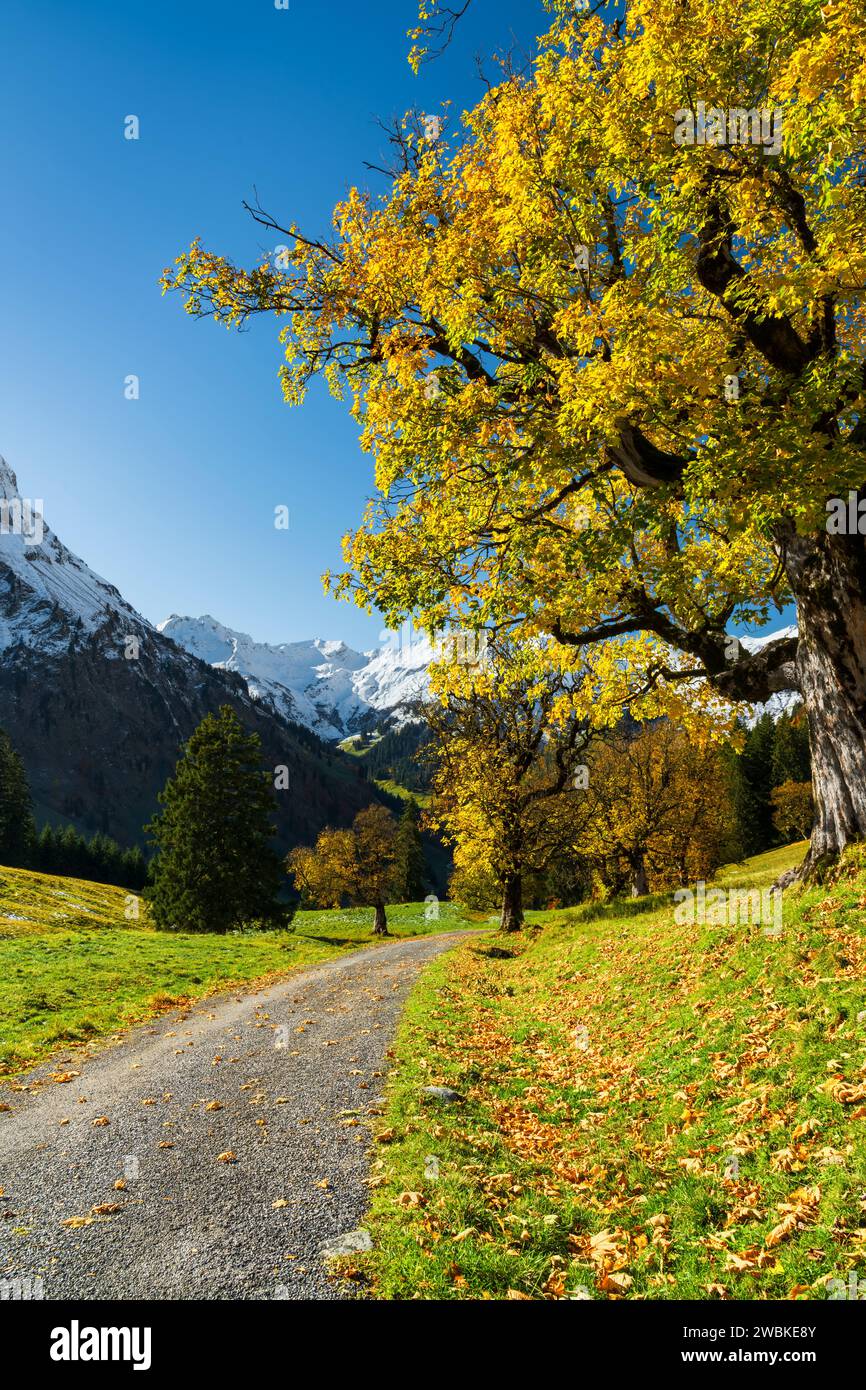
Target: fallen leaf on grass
{"points": [[605, 1245], [416, 1199], [790, 1160], [753, 1258], [849, 1094], [800, 1210], [615, 1283]]}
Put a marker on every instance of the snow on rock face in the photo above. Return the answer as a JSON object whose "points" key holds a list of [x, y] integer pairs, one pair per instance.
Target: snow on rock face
{"points": [[331, 689], [51, 601], [324, 685], [48, 597], [754, 644], [782, 701]]}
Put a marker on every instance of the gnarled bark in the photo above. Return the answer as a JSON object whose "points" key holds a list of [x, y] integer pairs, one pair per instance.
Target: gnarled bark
{"points": [[511, 918], [828, 577]]}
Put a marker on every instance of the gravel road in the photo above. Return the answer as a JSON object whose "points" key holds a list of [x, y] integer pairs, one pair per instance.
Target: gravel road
{"points": [[283, 1080]]}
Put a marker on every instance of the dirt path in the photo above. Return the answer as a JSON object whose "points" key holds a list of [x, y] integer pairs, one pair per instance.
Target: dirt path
{"points": [[267, 1077]]}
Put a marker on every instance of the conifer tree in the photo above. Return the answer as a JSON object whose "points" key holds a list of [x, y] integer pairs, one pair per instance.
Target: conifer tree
{"points": [[17, 830], [791, 761], [71, 851], [410, 866], [215, 868], [133, 868], [45, 852], [754, 809]]}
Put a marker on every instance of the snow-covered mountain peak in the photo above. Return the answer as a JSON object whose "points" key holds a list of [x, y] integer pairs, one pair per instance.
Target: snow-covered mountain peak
{"points": [[47, 594], [323, 684], [8, 481]]}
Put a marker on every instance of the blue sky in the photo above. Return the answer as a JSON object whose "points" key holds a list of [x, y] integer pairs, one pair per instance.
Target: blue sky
{"points": [[171, 497]]}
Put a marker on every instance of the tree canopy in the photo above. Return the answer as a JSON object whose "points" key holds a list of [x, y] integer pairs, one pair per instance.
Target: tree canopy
{"points": [[359, 864], [610, 378]]}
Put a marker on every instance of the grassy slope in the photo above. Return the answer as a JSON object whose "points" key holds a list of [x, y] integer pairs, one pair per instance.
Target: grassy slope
{"points": [[385, 784], [74, 969], [601, 1172]]}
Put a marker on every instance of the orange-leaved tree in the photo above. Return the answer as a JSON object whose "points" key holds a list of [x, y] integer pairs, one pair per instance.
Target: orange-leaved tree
{"points": [[355, 865]]}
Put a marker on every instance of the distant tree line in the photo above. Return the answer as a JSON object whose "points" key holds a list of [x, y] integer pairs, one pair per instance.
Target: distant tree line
{"points": [[771, 783], [64, 850], [395, 756], [57, 849]]}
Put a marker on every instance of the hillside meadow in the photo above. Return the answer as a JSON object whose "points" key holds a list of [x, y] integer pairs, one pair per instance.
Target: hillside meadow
{"points": [[75, 969], [650, 1110]]}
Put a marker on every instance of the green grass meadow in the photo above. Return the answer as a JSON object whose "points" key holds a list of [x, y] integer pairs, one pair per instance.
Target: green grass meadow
{"points": [[651, 1110], [75, 968]]}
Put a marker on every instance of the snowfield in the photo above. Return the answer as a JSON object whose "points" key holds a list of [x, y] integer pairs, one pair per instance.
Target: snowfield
{"points": [[324, 685]]}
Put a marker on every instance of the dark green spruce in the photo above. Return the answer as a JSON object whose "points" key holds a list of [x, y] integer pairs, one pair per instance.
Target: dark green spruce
{"points": [[17, 830], [215, 868], [410, 866]]}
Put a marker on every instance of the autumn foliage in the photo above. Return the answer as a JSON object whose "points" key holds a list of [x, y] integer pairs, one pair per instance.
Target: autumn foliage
{"points": [[355, 865], [538, 325]]}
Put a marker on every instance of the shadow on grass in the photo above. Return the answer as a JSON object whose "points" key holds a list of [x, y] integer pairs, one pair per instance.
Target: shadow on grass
{"points": [[333, 940], [621, 907]]}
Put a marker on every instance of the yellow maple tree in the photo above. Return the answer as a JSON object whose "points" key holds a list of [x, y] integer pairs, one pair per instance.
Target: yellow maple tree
{"points": [[603, 338]]}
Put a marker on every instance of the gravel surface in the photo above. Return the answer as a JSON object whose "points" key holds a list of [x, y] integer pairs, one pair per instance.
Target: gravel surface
{"points": [[283, 1080]]}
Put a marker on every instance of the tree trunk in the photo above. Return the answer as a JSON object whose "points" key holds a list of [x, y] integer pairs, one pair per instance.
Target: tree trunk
{"points": [[639, 885], [828, 579], [512, 904], [380, 925]]}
